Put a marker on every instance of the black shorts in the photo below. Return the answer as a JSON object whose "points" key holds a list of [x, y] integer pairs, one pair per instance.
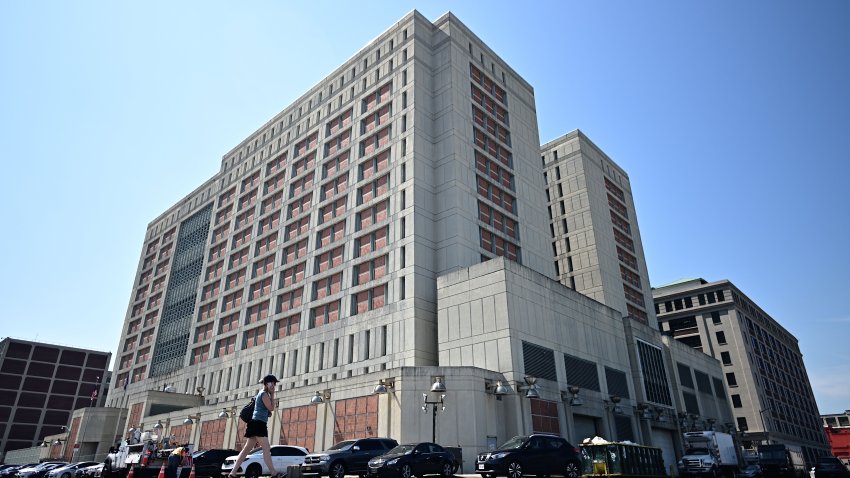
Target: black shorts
{"points": [[255, 429]]}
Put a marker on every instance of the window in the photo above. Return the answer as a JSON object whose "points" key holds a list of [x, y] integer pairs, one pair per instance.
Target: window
{"points": [[736, 401], [730, 380], [721, 337], [725, 358], [715, 317], [742, 423]]}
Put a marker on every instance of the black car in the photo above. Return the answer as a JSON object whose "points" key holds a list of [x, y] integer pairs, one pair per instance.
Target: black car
{"points": [[830, 467], [536, 454], [208, 462], [413, 459], [348, 457]]}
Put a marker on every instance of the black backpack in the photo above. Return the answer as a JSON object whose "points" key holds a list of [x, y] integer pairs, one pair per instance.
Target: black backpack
{"points": [[247, 411]]}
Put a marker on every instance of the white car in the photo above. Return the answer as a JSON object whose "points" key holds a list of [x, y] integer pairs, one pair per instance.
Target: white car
{"points": [[254, 465], [68, 471]]}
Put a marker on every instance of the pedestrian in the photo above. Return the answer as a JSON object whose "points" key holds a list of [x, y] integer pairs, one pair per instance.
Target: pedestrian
{"points": [[173, 463], [257, 432]]}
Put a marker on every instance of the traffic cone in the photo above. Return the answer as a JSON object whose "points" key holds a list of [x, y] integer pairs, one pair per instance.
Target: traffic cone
{"points": [[130, 475], [192, 473], [162, 471]]}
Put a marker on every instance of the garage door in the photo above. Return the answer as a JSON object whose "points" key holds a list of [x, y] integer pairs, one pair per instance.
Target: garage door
{"points": [[585, 427], [664, 439]]}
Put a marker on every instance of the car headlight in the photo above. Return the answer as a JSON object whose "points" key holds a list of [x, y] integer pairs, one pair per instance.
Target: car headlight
{"points": [[499, 456], [324, 458], [392, 462]]}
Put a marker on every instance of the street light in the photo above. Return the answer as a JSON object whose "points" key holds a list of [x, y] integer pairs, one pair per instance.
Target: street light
{"points": [[574, 400], [437, 387], [498, 389], [323, 397], [530, 387], [384, 386]]}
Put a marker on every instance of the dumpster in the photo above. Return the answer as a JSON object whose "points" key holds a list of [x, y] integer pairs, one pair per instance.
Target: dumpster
{"points": [[621, 459]]}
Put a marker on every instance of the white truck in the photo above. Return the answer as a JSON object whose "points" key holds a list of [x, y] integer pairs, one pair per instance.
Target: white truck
{"points": [[708, 453]]}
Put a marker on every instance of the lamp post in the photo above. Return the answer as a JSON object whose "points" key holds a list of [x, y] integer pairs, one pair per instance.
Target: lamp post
{"points": [[763, 426], [437, 387], [323, 397]]}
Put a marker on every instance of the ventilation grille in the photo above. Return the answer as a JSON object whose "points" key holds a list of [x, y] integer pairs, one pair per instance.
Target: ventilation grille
{"points": [[172, 340], [691, 404], [539, 361], [703, 383], [617, 384], [655, 381], [685, 377], [581, 373], [719, 390]]}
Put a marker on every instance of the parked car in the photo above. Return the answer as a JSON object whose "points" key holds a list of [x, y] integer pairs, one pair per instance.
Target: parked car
{"points": [[750, 471], [208, 462], [70, 470], [413, 460], [89, 471], [254, 465], [830, 467], [536, 454], [349, 457], [39, 470], [13, 470]]}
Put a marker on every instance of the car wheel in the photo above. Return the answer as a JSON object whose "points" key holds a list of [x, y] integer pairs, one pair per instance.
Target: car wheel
{"points": [[406, 471], [514, 470], [448, 469], [572, 470], [253, 471], [337, 470]]}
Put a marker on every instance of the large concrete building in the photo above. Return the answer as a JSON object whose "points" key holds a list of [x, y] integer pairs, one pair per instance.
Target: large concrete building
{"points": [[766, 378], [596, 241], [389, 228], [41, 385]]}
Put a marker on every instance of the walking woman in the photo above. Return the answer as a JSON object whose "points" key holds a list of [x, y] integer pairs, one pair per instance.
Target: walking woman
{"points": [[257, 432]]}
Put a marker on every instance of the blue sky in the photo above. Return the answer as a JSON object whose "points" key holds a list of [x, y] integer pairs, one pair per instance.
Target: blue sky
{"points": [[731, 119]]}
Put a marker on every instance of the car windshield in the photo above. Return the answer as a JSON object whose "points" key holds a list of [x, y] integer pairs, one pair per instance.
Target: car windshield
{"points": [[697, 451], [513, 443], [751, 468], [343, 445], [256, 451], [401, 449]]}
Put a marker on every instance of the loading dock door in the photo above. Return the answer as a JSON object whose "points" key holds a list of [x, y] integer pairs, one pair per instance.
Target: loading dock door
{"points": [[664, 439]]}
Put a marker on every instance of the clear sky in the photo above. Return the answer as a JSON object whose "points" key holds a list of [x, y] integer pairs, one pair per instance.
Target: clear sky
{"points": [[731, 118]]}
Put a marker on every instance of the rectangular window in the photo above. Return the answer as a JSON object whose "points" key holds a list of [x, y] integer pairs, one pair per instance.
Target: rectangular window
{"points": [[721, 337], [730, 380], [736, 401], [725, 358], [715, 317]]}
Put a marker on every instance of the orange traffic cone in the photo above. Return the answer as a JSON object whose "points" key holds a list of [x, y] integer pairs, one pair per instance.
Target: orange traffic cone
{"points": [[130, 475], [162, 471], [192, 473]]}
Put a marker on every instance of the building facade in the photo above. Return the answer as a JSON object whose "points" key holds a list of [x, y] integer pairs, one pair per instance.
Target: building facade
{"points": [[837, 429], [41, 385], [388, 232], [763, 367], [595, 237]]}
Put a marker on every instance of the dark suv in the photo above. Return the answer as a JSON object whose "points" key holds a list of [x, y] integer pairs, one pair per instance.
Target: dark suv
{"points": [[536, 454], [349, 457], [830, 467], [208, 462]]}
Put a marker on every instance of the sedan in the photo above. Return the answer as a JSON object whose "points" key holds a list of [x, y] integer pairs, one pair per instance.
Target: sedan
{"points": [[413, 459], [89, 471], [69, 471], [830, 467], [254, 465], [39, 470]]}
